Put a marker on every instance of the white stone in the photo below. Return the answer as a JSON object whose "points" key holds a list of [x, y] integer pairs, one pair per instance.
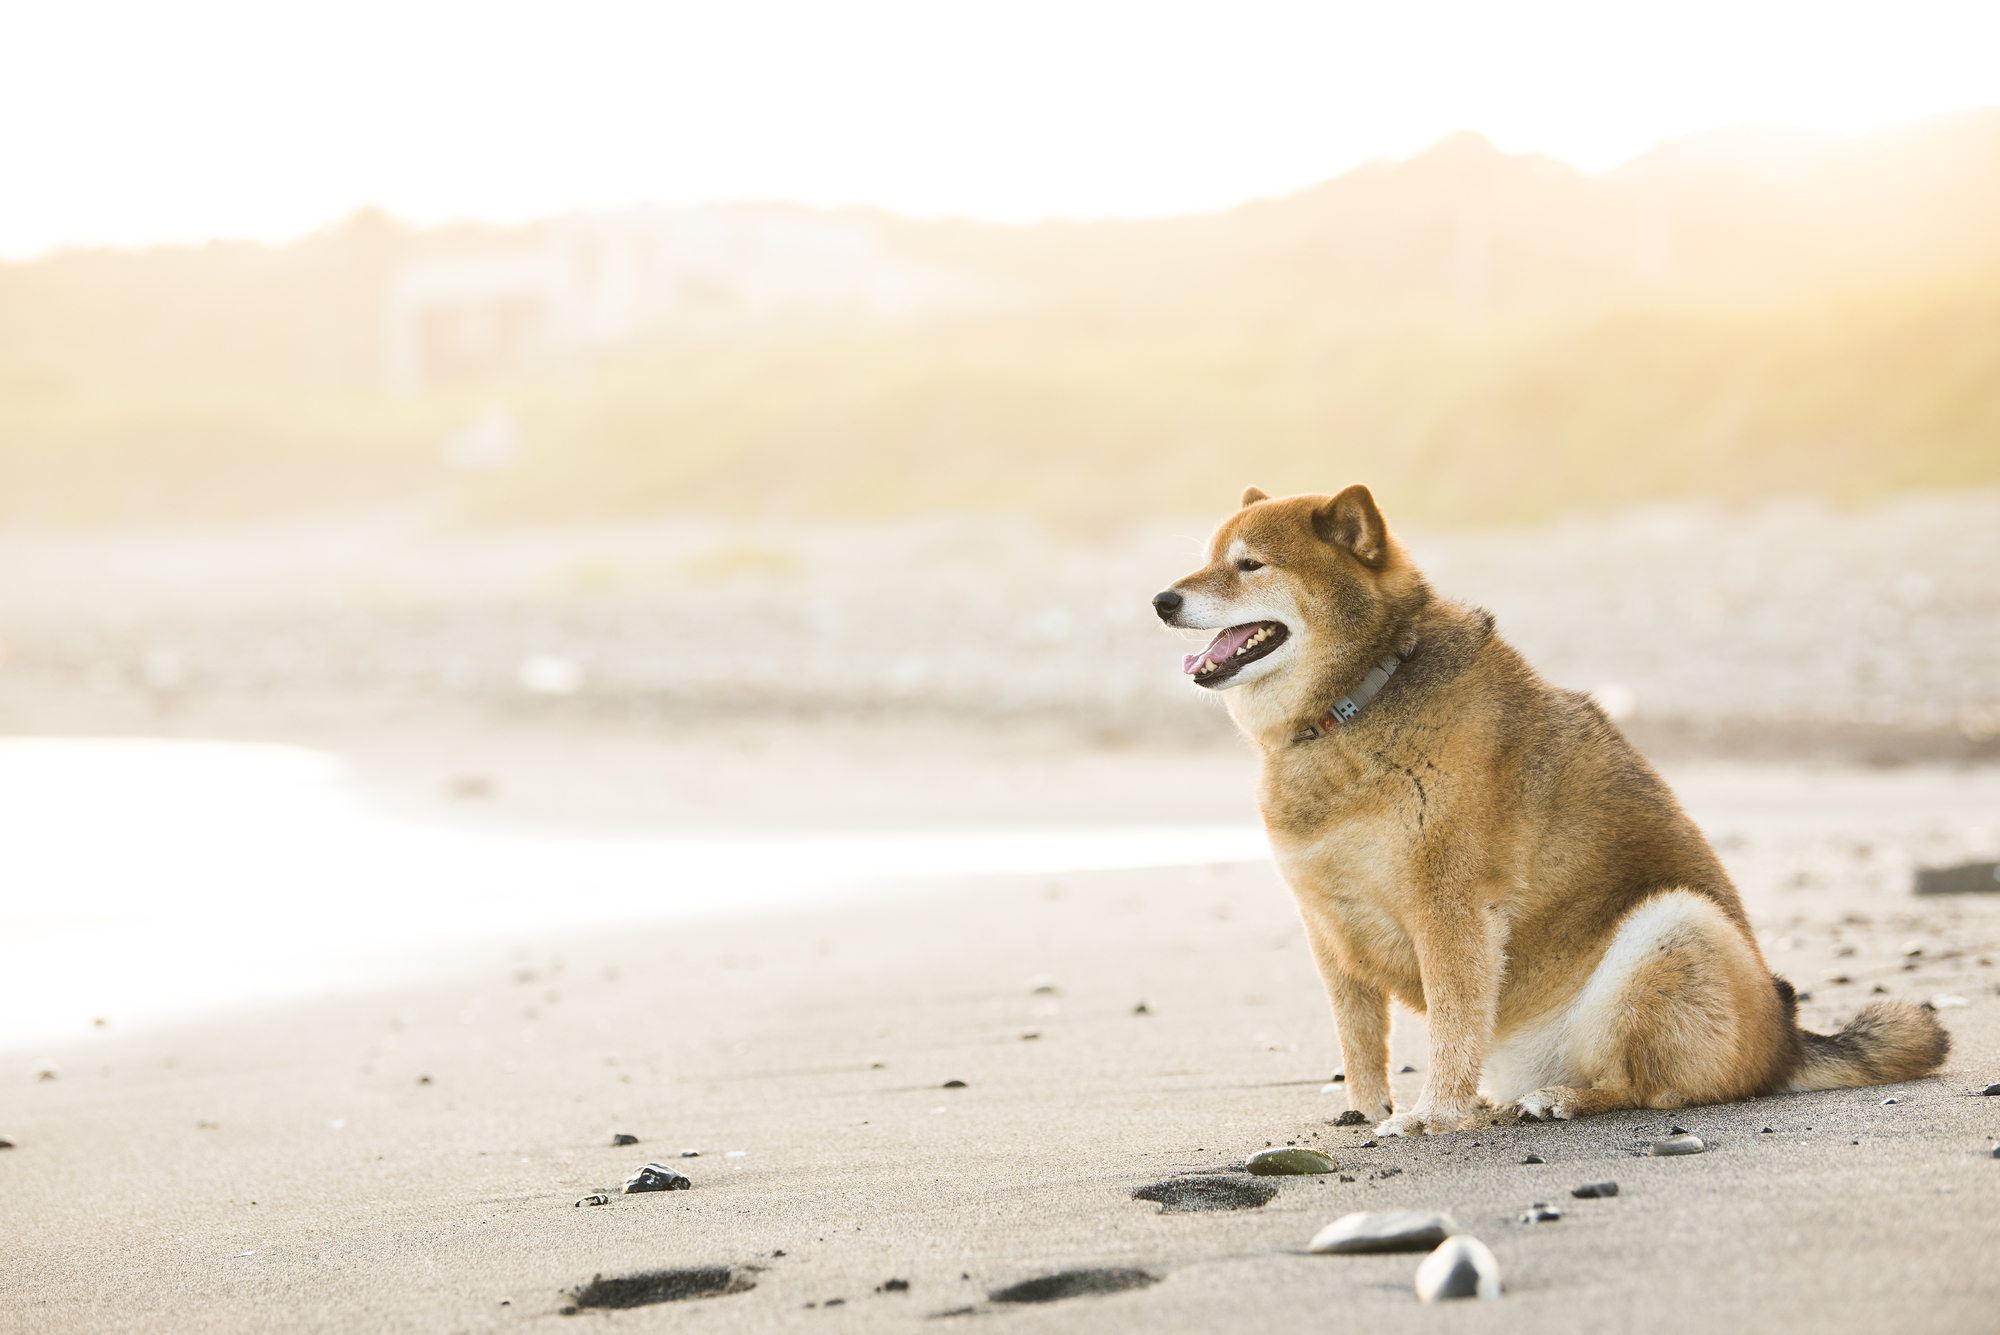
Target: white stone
{"points": [[1382, 1231], [1461, 1267]]}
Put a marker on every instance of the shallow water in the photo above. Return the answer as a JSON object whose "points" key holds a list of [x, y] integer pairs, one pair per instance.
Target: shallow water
{"points": [[145, 880]]}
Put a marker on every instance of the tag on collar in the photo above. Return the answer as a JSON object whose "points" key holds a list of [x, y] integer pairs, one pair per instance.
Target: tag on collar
{"points": [[1345, 708]]}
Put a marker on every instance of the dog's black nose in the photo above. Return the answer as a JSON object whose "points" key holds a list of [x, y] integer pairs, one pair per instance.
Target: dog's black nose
{"points": [[1166, 603]]}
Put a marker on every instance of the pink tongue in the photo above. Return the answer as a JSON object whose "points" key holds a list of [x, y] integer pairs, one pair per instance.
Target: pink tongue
{"points": [[1220, 648]]}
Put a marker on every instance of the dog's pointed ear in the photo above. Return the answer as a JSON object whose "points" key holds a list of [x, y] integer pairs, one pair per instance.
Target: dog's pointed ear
{"points": [[1351, 520], [1252, 495]]}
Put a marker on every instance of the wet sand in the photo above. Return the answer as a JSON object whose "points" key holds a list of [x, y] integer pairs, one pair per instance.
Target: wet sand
{"points": [[408, 1159]]}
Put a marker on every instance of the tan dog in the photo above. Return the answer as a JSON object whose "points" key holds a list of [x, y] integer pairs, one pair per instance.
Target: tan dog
{"points": [[1488, 850]]}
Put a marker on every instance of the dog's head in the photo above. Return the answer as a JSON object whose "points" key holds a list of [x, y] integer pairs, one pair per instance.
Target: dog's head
{"points": [[1300, 582]]}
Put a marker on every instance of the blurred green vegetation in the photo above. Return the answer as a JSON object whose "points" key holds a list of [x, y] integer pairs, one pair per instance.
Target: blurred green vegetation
{"points": [[1143, 370], [1845, 397]]}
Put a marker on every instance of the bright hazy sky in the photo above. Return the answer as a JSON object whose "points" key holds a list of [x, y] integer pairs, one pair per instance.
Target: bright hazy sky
{"points": [[174, 120]]}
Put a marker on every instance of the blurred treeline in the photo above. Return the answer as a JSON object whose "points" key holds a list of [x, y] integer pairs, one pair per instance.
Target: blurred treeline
{"points": [[1485, 338]]}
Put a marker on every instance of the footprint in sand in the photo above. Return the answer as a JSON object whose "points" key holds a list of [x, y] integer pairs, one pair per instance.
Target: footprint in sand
{"points": [[658, 1286], [1187, 1195], [1072, 1284]]}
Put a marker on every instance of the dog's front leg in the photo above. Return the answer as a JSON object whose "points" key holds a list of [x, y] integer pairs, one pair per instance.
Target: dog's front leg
{"points": [[1361, 1014], [1459, 957]]}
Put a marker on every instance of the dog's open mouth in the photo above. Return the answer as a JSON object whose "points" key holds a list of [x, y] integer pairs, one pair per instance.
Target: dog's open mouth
{"points": [[1231, 650]]}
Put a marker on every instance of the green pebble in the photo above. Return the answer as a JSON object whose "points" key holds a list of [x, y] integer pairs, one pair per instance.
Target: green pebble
{"points": [[1292, 1161]]}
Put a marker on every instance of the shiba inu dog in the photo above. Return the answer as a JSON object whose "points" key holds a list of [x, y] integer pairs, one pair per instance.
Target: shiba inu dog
{"points": [[1488, 850]]}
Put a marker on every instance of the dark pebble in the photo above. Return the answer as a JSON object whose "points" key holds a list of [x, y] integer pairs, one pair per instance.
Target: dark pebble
{"points": [[1594, 1190], [595, 1198], [657, 1177], [623, 1138], [835, 1302], [1352, 1117], [894, 1286], [954, 1084], [690, 1154], [1682, 1131], [1991, 1090], [424, 1080], [1765, 1132], [1534, 1158], [6, 1144], [1339, 1078], [1142, 1009], [1367, 1144], [1407, 1070], [1541, 1215]]}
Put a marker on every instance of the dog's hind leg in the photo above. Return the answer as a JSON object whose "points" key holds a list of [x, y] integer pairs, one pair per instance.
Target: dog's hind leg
{"points": [[1679, 1011], [1559, 1102]]}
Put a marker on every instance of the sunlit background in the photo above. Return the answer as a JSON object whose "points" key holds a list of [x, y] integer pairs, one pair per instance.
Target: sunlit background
{"points": [[721, 418]]}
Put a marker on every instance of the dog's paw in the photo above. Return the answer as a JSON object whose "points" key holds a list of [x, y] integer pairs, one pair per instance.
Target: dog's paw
{"points": [[1402, 1124], [1544, 1105], [1422, 1120], [1369, 1104]]}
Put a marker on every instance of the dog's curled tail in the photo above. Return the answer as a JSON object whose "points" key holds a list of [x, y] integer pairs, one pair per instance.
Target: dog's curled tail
{"points": [[1887, 1042]]}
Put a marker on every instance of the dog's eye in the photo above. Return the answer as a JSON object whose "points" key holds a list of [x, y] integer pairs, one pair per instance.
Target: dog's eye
{"points": [[1247, 564]]}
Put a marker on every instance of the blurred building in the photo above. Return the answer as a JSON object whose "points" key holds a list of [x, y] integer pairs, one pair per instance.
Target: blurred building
{"points": [[591, 281]]}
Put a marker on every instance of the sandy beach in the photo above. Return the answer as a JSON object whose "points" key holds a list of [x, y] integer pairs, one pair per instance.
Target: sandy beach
{"points": [[409, 1156]]}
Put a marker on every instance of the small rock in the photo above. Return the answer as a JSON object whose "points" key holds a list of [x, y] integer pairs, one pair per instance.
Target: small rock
{"points": [[1990, 1090], [1835, 976], [954, 1084], [1888, 1101], [1996, 1151], [657, 1177], [1041, 985], [690, 1154], [1680, 1131], [893, 1286], [1461, 1267], [1339, 1078], [1289, 1162], [1541, 1214], [1382, 1231], [1765, 1132], [1681, 1144], [1367, 1145], [624, 1138], [596, 1198], [6, 1144], [1030, 1035], [1142, 1009], [424, 1080], [1534, 1158], [1594, 1190], [1407, 1070], [1352, 1117]]}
